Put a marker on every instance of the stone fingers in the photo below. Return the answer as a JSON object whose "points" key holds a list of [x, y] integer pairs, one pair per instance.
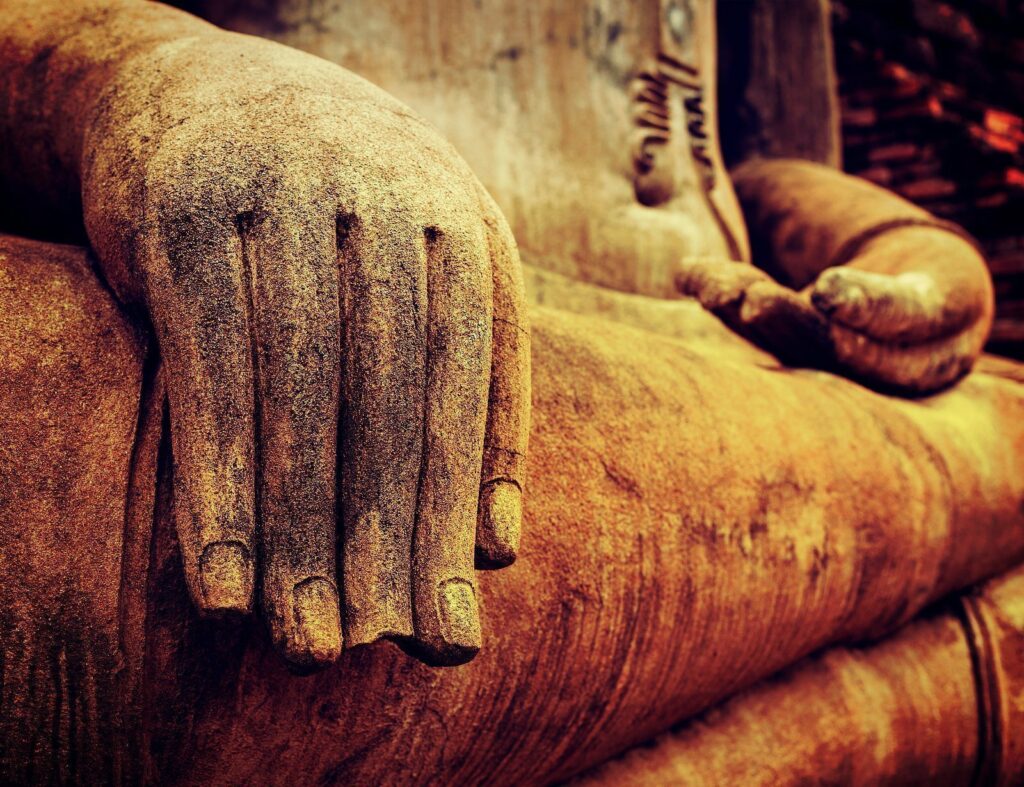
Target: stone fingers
{"points": [[786, 324], [459, 332], [499, 518], [266, 390], [718, 284], [759, 308], [204, 342], [383, 269], [907, 306], [289, 262]]}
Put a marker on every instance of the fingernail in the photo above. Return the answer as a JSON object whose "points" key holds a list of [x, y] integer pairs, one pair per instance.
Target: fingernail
{"points": [[225, 575], [317, 623], [855, 294], [459, 619], [754, 307], [501, 513]]}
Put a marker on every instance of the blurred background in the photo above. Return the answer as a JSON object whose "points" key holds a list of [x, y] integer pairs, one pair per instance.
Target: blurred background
{"points": [[932, 107]]}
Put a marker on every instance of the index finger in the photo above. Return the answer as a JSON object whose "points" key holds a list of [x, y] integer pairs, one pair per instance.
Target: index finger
{"points": [[204, 341], [290, 262]]}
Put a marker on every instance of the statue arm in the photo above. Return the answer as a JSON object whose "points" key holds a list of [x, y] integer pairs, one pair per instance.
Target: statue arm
{"points": [[888, 293], [316, 263], [56, 59]]}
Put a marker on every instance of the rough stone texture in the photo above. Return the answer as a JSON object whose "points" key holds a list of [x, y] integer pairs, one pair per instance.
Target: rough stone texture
{"points": [[681, 318], [890, 294], [312, 256], [693, 524], [593, 124], [995, 623], [70, 392], [936, 703], [317, 263], [901, 712]]}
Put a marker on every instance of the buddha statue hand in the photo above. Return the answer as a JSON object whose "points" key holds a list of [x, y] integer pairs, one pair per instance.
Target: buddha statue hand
{"points": [[338, 305], [893, 332], [861, 280], [900, 331]]}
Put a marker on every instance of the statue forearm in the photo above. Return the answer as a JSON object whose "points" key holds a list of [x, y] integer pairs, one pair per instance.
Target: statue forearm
{"points": [[57, 60], [807, 218]]}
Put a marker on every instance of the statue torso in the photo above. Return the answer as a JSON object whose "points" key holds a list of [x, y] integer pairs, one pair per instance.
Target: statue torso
{"points": [[593, 123]]}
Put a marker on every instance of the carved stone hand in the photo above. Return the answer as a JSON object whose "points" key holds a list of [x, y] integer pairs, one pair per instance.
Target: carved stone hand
{"points": [[338, 305], [861, 281]]}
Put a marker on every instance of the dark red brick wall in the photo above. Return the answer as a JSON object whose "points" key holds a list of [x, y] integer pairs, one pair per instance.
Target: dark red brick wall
{"points": [[932, 98]]}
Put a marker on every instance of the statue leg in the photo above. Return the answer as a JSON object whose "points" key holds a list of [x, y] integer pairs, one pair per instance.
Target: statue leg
{"points": [[691, 525], [935, 703], [71, 380]]}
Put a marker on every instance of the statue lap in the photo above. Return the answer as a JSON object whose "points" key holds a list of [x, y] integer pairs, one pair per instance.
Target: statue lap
{"points": [[69, 403], [683, 538]]}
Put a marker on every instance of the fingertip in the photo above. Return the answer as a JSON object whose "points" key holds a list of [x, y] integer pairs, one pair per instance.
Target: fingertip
{"points": [[758, 300], [717, 283], [499, 524], [457, 637], [838, 291], [460, 619], [225, 579], [314, 640]]}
